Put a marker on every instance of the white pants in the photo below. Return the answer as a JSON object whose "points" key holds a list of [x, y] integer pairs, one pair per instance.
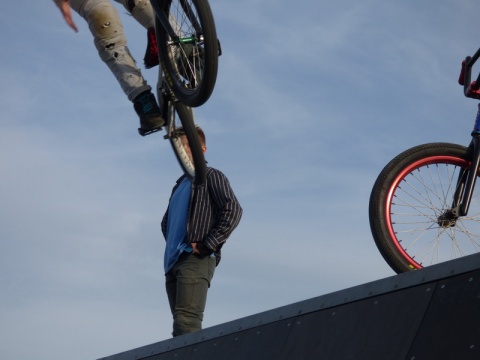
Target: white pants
{"points": [[110, 41]]}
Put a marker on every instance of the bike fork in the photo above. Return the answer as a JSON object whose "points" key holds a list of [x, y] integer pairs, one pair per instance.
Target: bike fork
{"points": [[162, 17], [466, 184]]}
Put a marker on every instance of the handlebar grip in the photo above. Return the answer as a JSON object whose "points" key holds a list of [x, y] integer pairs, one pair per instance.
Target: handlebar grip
{"points": [[471, 88], [461, 78]]}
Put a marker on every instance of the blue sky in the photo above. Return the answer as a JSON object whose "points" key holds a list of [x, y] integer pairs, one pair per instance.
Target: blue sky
{"points": [[311, 101]]}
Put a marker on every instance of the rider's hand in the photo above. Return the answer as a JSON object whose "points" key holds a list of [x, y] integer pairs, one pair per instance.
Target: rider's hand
{"points": [[66, 11], [201, 249]]}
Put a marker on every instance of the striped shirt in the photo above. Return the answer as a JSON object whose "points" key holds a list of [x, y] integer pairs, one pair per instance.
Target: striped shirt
{"points": [[213, 213]]}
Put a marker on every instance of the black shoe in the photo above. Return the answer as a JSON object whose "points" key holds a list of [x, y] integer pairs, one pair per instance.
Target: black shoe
{"points": [[147, 109]]}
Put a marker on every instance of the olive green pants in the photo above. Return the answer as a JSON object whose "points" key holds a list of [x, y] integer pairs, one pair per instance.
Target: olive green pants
{"points": [[187, 285]]}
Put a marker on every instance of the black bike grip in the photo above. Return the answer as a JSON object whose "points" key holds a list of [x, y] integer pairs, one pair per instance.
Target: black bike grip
{"points": [[461, 78]]}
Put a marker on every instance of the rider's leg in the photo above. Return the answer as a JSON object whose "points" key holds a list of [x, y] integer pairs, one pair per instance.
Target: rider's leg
{"points": [[107, 30], [142, 11]]}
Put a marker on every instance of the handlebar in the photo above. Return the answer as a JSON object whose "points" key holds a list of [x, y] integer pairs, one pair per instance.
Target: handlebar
{"points": [[471, 89]]}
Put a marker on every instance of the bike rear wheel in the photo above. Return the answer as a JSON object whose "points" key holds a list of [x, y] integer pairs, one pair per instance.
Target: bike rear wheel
{"points": [[409, 206], [190, 60], [189, 153]]}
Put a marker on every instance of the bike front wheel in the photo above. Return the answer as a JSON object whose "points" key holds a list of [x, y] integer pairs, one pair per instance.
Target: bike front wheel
{"points": [[183, 136], [410, 208], [190, 59]]}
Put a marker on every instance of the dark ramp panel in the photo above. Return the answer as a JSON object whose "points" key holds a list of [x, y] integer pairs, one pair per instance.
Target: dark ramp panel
{"points": [[429, 314]]}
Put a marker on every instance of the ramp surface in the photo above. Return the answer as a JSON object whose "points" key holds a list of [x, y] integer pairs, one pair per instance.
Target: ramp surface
{"points": [[428, 314]]}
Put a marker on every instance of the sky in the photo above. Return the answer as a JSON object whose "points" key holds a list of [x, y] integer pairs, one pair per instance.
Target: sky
{"points": [[312, 100]]}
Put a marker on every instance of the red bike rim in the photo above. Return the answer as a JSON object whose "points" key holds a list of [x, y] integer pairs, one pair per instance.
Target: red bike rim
{"points": [[417, 164]]}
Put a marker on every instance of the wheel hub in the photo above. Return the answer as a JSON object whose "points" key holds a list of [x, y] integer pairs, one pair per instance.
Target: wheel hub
{"points": [[448, 219]]}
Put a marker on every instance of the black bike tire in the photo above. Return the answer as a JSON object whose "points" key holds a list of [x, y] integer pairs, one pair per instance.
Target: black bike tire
{"points": [[393, 231], [194, 169], [200, 93]]}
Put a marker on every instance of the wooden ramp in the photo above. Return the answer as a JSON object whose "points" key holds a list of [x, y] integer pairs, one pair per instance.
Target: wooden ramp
{"points": [[429, 314]]}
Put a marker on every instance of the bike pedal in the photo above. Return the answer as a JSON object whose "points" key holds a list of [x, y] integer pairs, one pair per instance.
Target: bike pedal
{"points": [[144, 132]]}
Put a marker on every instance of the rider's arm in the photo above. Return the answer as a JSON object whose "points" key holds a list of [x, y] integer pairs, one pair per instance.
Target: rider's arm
{"points": [[66, 11]]}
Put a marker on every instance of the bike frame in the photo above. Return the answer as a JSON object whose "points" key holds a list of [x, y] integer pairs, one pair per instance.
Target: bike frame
{"points": [[466, 181]]}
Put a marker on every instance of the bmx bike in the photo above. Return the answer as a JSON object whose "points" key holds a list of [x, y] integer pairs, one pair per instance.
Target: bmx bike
{"points": [[188, 56], [424, 207]]}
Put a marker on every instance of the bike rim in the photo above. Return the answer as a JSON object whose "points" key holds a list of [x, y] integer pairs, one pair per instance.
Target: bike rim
{"points": [[187, 51], [180, 151], [190, 60], [428, 238], [189, 154]]}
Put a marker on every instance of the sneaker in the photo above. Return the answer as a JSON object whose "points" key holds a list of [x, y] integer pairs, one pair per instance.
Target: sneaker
{"points": [[146, 107], [151, 55]]}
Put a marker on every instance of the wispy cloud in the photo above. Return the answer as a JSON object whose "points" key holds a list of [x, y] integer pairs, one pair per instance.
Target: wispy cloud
{"points": [[311, 101]]}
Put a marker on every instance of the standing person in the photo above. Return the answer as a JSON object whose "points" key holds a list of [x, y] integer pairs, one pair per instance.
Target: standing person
{"points": [[198, 221], [111, 43]]}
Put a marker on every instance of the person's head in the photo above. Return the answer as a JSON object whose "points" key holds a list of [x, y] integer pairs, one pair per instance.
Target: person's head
{"points": [[201, 137]]}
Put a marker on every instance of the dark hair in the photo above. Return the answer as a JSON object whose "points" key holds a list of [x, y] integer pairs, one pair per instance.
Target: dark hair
{"points": [[201, 135]]}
